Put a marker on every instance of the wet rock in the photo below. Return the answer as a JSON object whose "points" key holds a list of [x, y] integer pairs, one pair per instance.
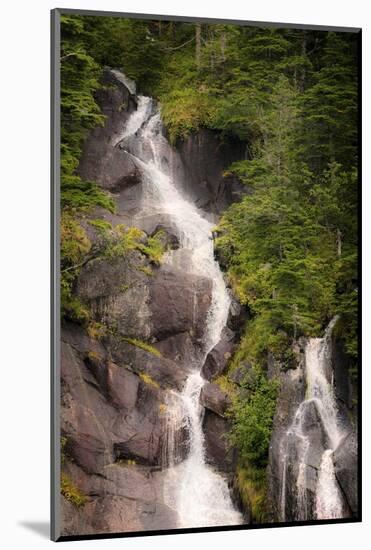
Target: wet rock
{"points": [[179, 348], [345, 388], [167, 237], [218, 358], [162, 371], [291, 394], [206, 156], [116, 291], [101, 161], [237, 316], [346, 470], [137, 438], [218, 453], [179, 303], [214, 399], [85, 414], [122, 386]]}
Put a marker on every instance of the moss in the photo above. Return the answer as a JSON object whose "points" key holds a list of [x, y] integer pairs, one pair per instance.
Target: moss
{"points": [[96, 331], [146, 269], [226, 385], [123, 239], [146, 378], [63, 450], [101, 225], [93, 356], [71, 492], [154, 248], [75, 243], [126, 462], [143, 345], [124, 288], [72, 307], [252, 486], [162, 408]]}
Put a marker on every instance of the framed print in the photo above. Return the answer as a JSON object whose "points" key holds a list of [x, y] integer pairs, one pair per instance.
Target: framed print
{"points": [[205, 277]]}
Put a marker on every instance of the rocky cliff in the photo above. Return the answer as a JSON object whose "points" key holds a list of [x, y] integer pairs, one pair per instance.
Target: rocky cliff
{"points": [[146, 324], [295, 476]]}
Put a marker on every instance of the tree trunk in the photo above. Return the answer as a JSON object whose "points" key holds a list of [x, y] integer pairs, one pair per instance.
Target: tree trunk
{"points": [[198, 45], [223, 46], [338, 240]]}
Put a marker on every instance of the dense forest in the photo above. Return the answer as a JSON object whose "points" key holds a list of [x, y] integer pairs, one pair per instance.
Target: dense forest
{"points": [[289, 246]]}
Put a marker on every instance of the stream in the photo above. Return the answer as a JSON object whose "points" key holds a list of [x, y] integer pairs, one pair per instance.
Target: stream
{"points": [[193, 489]]}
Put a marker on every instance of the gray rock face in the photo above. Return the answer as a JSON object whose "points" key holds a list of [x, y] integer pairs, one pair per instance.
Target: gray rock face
{"points": [[237, 316], [214, 399], [117, 293], [211, 156], [218, 452], [100, 161], [114, 389], [346, 470], [125, 499], [179, 303], [218, 358], [291, 394]]}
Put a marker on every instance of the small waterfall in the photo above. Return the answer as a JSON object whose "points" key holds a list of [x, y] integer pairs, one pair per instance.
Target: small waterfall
{"points": [[198, 494], [329, 503], [315, 427]]}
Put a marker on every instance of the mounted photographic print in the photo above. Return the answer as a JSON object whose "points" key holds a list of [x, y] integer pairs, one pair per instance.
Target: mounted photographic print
{"points": [[205, 274]]}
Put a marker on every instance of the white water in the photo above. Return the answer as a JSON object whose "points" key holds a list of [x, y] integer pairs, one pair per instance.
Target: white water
{"points": [[137, 118], [198, 494], [328, 497], [320, 393]]}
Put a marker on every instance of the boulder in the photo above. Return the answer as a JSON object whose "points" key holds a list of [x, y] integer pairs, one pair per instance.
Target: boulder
{"points": [[218, 452], [346, 470], [137, 438], [86, 416], [162, 371], [206, 156], [179, 303], [237, 316], [214, 399], [101, 161], [217, 359], [181, 349], [116, 291]]}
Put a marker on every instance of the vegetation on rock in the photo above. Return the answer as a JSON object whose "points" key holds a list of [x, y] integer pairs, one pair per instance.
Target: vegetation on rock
{"points": [[290, 245]]}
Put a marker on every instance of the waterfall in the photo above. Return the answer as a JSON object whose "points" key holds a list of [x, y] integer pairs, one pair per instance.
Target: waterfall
{"points": [[198, 494], [314, 429]]}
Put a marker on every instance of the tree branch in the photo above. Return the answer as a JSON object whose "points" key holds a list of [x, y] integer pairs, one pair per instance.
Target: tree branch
{"points": [[181, 45]]}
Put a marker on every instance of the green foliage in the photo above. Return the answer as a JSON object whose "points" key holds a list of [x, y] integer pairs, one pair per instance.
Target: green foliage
{"points": [[185, 111], [71, 492], [146, 270], [252, 487], [251, 415], [122, 239], [142, 345], [290, 244], [75, 243], [146, 378], [154, 247]]}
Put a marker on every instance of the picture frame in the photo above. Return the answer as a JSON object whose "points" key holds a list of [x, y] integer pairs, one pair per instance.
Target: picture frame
{"points": [[58, 531]]}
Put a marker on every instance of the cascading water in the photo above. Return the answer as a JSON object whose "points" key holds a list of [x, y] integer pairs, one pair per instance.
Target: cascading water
{"points": [[198, 494], [299, 439]]}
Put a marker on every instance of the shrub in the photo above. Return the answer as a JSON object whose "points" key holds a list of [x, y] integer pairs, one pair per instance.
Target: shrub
{"points": [[252, 413], [71, 492]]}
